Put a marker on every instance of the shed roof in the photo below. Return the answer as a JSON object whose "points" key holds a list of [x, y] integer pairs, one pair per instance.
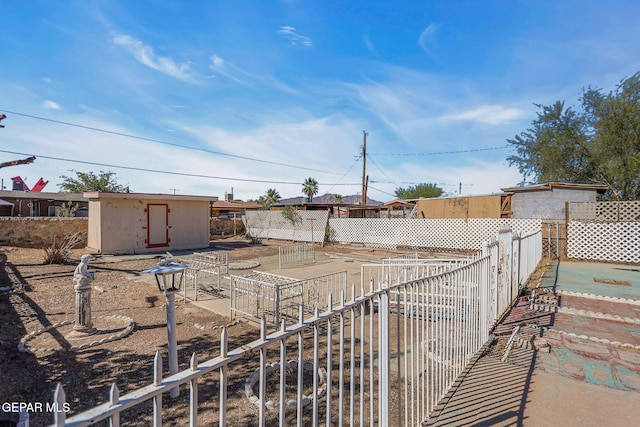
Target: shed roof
{"points": [[549, 186]]}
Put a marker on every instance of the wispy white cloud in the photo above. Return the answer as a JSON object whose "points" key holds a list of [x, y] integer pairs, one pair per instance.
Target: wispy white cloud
{"points": [[228, 70], [50, 105], [146, 55], [231, 71], [369, 44], [426, 39], [487, 114], [294, 38]]}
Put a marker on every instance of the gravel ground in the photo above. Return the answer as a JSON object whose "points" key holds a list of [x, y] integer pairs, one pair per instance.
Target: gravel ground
{"points": [[44, 298]]}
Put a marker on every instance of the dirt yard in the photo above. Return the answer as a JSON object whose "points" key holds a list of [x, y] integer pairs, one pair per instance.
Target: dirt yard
{"points": [[42, 296]]}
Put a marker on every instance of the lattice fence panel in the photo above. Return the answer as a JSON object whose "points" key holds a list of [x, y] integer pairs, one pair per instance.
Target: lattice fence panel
{"points": [[306, 226], [442, 233], [612, 241], [605, 211]]}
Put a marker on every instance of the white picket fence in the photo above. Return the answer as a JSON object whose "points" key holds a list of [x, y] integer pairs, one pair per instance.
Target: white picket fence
{"points": [[384, 357]]}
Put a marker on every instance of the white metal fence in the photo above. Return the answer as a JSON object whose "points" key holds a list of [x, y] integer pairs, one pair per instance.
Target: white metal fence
{"points": [[201, 266], [276, 298], [383, 357], [295, 253]]}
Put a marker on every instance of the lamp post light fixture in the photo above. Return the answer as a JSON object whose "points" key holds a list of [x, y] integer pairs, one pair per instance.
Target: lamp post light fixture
{"points": [[170, 279]]}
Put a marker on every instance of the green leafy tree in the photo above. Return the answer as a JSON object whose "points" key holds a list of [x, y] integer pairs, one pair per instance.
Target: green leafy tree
{"points": [[310, 188], [272, 196], [290, 213], [598, 143], [425, 191], [88, 181]]}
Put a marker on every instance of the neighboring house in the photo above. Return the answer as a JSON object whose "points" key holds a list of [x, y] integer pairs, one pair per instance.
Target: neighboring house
{"points": [[335, 209], [548, 201], [25, 203], [133, 223], [397, 208], [226, 209]]}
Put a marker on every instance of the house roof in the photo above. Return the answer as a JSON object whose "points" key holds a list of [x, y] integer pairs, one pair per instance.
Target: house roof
{"points": [[37, 195], [222, 204], [397, 202], [95, 195], [549, 186]]}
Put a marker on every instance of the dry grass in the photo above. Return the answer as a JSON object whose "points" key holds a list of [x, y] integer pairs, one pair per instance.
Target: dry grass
{"points": [[60, 251]]}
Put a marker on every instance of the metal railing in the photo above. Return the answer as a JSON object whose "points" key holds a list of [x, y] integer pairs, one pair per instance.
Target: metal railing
{"points": [[203, 266], [274, 298], [295, 253], [384, 357], [397, 270]]}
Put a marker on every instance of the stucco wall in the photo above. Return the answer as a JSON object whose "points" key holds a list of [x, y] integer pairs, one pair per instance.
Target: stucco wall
{"points": [[119, 225], [38, 232], [547, 204]]}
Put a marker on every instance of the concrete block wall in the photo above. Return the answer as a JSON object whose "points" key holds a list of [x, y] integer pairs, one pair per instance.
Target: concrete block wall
{"points": [[39, 232]]}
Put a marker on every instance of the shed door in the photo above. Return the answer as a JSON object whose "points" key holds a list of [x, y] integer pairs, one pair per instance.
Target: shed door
{"points": [[157, 225]]}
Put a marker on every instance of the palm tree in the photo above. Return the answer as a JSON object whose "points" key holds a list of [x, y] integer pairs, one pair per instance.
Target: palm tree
{"points": [[271, 197], [310, 188], [337, 198]]}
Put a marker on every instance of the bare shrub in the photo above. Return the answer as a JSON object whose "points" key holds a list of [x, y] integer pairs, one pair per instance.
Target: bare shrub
{"points": [[60, 251]]}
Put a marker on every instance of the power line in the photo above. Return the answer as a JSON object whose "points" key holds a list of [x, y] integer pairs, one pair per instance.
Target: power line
{"points": [[345, 174], [166, 172], [440, 152], [383, 173], [381, 191], [235, 156]]}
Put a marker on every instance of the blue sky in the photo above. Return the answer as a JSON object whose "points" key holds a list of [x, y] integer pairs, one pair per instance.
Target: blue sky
{"points": [[252, 95]]}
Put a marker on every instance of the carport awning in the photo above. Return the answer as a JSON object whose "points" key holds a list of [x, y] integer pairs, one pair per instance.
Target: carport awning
{"points": [[5, 203]]}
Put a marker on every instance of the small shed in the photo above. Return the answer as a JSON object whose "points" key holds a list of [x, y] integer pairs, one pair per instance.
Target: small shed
{"points": [[134, 223], [548, 201]]}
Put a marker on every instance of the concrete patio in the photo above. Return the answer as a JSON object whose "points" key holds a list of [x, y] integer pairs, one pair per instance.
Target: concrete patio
{"points": [[590, 377]]}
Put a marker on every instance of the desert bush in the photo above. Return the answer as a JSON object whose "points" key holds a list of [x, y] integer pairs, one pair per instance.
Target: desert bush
{"points": [[67, 210], [60, 251]]}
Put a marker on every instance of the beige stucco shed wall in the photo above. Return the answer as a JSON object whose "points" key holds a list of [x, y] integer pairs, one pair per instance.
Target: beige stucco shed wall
{"points": [[119, 222]]}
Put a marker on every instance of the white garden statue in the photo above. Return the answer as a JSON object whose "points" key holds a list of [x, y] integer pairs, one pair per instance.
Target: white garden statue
{"points": [[82, 278]]}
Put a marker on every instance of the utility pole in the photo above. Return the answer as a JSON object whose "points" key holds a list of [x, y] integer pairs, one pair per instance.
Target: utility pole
{"points": [[364, 168]]}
